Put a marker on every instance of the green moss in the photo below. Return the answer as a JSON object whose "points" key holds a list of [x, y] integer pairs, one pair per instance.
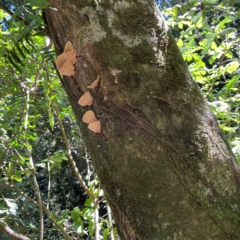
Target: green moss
{"points": [[106, 4], [110, 52], [103, 20], [143, 53], [80, 4], [129, 20]]}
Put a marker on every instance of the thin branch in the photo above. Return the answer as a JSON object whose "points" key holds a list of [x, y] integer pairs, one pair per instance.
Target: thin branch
{"points": [[37, 190], [96, 215], [54, 135], [34, 87], [49, 184], [11, 13], [110, 222], [75, 169], [19, 18], [22, 169], [11, 233]]}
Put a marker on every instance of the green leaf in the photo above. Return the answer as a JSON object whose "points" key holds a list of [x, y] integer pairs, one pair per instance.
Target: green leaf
{"points": [[36, 18], [14, 64], [105, 233], [75, 214], [20, 50], [203, 14], [180, 25], [183, 9], [175, 11], [213, 45], [180, 42], [228, 30], [88, 203], [229, 55], [91, 228], [78, 227], [38, 3], [17, 176], [10, 168], [16, 57], [196, 18], [231, 83], [42, 165], [232, 67], [65, 213]]}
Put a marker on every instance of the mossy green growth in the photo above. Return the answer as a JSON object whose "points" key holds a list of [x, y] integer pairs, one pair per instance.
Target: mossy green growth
{"points": [[80, 4], [130, 21], [112, 53], [143, 53]]}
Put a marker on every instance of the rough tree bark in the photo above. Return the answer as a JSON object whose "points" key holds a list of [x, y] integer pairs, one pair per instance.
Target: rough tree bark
{"points": [[166, 170]]}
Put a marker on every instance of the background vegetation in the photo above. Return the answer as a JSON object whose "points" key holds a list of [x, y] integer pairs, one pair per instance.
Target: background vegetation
{"points": [[39, 141]]}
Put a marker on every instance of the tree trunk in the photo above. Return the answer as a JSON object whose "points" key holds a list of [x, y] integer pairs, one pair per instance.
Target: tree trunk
{"points": [[165, 168]]}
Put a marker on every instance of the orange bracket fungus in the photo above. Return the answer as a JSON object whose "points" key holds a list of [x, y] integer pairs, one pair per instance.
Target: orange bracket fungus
{"points": [[68, 47], [67, 69], [86, 99], [94, 84], [65, 61], [89, 117], [95, 126]]}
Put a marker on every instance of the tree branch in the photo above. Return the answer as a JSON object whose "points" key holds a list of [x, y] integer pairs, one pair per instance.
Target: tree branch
{"points": [[78, 175], [9, 232], [36, 186], [18, 18]]}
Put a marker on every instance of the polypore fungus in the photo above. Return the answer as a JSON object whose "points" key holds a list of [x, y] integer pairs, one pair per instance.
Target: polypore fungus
{"points": [[94, 84], [86, 99], [65, 61], [95, 126], [68, 47], [89, 117], [67, 69]]}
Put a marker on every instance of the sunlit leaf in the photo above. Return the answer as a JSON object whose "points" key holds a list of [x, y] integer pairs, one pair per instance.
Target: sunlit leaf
{"points": [[232, 67], [17, 176], [75, 214]]}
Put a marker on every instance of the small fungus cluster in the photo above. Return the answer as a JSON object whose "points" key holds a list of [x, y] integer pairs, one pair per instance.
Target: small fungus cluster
{"points": [[65, 65], [89, 117], [65, 61]]}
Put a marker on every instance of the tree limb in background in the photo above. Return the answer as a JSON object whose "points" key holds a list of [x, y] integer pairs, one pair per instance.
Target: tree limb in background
{"points": [[11, 13], [36, 186], [9, 232], [18, 18]]}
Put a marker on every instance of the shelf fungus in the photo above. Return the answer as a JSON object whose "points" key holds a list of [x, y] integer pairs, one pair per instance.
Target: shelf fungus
{"points": [[65, 61], [86, 99], [94, 84], [89, 117], [93, 124]]}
